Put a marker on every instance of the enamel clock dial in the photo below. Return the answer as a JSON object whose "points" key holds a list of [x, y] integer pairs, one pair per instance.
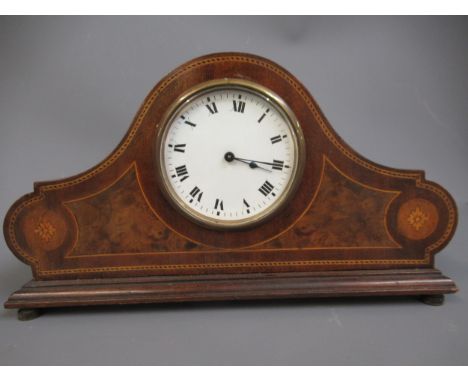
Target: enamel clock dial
{"points": [[231, 154]]}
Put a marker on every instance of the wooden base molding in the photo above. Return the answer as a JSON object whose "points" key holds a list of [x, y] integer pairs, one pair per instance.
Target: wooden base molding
{"points": [[160, 289]]}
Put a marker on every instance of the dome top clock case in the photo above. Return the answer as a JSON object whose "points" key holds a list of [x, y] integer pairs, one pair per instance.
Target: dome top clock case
{"points": [[230, 184]]}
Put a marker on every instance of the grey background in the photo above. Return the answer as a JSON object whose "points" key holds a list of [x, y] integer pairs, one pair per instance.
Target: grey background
{"points": [[395, 88]]}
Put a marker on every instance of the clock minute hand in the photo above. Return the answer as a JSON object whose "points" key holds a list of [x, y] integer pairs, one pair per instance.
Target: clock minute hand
{"points": [[229, 157], [256, 161], [252, 164]]}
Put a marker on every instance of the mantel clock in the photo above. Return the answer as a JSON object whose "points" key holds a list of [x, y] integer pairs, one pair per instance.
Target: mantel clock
{"points": [[230, 184]]}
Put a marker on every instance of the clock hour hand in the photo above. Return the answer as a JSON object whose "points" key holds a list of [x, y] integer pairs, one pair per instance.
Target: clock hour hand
{"points": [[229, 157]]}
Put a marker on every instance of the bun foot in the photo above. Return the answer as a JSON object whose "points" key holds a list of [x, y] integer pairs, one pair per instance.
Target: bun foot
{"points": [[28, 314], [433, 299]]}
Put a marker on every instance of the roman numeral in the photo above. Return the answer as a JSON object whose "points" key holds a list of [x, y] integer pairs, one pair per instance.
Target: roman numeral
{"points": [[188, 122], [194, 193], [212, 108], [182, 172], [219, 205], [266, 189], [278, 164], [275, 139], [247, 205], [179, 148], [263, 115], [239, 106]]}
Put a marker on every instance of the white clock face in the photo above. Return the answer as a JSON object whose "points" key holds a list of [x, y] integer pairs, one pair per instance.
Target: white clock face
{"points": [[229, 156]]}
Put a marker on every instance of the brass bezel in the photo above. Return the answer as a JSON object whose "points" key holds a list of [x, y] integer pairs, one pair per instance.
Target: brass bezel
{"points": [[299, 146]]}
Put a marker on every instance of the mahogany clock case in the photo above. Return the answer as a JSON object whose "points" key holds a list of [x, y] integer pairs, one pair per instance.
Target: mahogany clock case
{"points": [[109, 235]]}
